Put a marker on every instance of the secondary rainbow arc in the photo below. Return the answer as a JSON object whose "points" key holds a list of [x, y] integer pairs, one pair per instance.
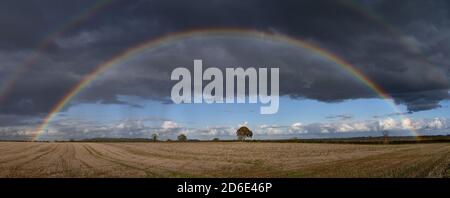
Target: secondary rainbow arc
{"points": [[7, 86]]}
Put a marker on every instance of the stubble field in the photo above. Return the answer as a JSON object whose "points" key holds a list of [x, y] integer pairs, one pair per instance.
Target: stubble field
{"points": [[222, 159]]}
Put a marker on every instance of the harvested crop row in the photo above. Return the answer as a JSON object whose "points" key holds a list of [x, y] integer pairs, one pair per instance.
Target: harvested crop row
{"points": [[222, 159]]}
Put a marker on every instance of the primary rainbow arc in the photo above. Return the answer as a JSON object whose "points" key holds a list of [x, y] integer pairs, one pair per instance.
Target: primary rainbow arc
{"points": [[173, 37]]}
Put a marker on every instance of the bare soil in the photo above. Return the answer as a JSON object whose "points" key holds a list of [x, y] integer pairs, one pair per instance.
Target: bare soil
{"points": [[222, 159]]}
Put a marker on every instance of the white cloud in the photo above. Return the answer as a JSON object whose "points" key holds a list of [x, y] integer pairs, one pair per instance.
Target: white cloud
{"points": [[143, 128], [168, 125], [387, 124], [297, 128], [271, 130], [217, 131], [407, 123], [438, 123]]}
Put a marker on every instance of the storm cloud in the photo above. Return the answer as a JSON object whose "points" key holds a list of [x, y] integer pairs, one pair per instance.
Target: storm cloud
{"points": [[47, 47]]}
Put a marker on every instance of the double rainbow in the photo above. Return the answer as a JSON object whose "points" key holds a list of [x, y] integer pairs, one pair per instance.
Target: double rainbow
{"points": [[174, 37]]}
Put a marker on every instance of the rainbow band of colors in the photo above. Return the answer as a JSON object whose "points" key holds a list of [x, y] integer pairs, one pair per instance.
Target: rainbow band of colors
{"points": [[174, 37]]}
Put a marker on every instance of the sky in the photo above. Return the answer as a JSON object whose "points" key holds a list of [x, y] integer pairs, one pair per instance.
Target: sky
{"points": [[47, 47]]}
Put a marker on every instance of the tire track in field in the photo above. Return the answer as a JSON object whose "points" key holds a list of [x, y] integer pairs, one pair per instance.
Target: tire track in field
{"points": [[46, 166], [139, 159], [88, 170], [82, 155], [144, 162], [16, 168], [144, 157], [432, 164], [6, 146], [441, 167], [319, 165], [161, 153], [178, 152], [365, 166], [402, 162], [120, 162], [45, 150], [64, 163], [155, 164], [78, 166], [167, 162], [175, 164], [12, 155], [55, 164], [70, 165], [221, 161]]}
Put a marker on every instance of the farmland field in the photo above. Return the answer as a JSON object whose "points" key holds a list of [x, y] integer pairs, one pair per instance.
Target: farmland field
{"points": [[222, 159]]}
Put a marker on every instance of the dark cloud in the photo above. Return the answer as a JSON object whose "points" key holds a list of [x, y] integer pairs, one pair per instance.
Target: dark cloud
{"points": [[340, 117], [402, 46]]}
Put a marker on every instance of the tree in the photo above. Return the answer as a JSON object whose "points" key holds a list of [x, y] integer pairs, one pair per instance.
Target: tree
{"points": [[386, 136], [243, 133], [155, 137], [215, 139], [182, 137]]}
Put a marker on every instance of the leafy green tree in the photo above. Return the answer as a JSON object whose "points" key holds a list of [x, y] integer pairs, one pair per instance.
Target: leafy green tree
{"points": [[182, 138], [243, 133]]}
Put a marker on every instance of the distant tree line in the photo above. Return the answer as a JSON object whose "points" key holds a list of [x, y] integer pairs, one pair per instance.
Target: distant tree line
{"points": [[242, 134]]}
